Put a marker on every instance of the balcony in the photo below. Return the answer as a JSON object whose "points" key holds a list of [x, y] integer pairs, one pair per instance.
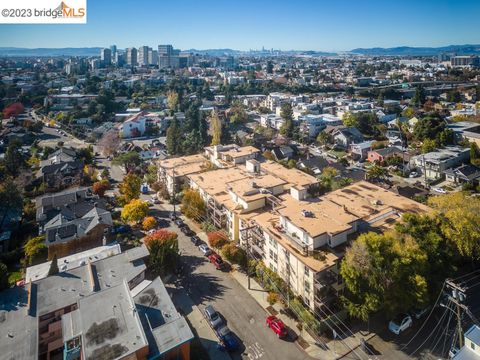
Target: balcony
{"points": [[297, 243]]}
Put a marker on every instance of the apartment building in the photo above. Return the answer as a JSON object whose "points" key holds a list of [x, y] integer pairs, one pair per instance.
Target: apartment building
{"points": [[434, 164], [228, 155], [100, 309], [302, 239]]}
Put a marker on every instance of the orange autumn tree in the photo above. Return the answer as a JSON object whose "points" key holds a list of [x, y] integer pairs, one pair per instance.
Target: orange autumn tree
{"points": [[217, 239], [149, 223], [164, 254]]}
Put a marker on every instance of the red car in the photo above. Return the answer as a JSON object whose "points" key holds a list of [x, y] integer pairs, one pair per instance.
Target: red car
{"points": [[216, 260], [277, 326]]}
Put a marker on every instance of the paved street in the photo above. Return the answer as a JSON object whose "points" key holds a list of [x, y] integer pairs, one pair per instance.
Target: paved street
{"points": [[206, 285]]}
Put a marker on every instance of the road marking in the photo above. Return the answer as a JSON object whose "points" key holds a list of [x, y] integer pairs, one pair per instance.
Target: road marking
{"points": [[255, 351]]}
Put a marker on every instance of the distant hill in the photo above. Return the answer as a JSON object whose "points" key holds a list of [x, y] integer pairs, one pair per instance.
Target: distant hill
{"points": [[419, 51], [14, 51]]}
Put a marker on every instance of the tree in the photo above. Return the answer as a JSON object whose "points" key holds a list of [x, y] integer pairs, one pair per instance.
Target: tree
{"points": [[109, 143], [172, 101], [13, 158], [267, 154], [130, 188], [349, 119], [135, 211], [35, 249], [174, 136], [238, 115], [163, 248], [376, 172], [324, 138], [428, 145], [130, 160], [429, 127], [234, 254], [408, 112], [10, 194], [193, 205], [419, 97], [100, 187], [217, 239], [286, 113], [53, 270], [382, 272], [3, 276], [14, 110], [460, 215], [215, 128], [149, 223], [269, 67]]}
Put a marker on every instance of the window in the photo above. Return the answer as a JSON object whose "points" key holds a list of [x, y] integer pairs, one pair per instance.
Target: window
{"points": [[307, 286], [306, 301], [307, 271], [472, 345]]}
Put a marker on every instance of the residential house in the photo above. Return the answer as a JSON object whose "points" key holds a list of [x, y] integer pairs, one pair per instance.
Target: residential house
{"points": [[471, 349], [134, 126], [346, 136], [380, 155], [60, 170], [463, 174], [434, 164]]}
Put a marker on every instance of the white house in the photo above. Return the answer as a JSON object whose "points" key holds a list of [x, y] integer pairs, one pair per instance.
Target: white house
{"points": [[134, 126]]}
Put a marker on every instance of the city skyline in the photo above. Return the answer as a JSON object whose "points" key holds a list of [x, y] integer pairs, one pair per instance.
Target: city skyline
{"points": [[320, 26]]}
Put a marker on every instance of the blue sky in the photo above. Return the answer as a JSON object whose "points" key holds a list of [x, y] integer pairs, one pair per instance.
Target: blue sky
{"points": [[330, 25]]}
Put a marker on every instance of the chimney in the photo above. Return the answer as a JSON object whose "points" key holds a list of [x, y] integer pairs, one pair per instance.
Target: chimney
{"points": [[92, 276]]}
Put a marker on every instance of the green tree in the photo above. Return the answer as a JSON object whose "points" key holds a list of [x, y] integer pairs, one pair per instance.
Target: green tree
{"points": [[174, 136], [376, 172], [286, 112], [13, 158], [130, 160], [215, 128], [460, 215], [408, 112], [172, 101], [10, 194], [382, 272], [3, 276], [324, 138], [193, 205], [53, 270], [35, 249], [349, 119], [429, 127], [428, 145], [269, 67], [238, 115], [419, 97]]}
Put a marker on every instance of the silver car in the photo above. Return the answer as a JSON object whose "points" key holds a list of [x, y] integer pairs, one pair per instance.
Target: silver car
{"points": [[213, 317]]}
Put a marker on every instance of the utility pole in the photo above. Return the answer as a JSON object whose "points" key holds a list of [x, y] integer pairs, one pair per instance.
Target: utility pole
{"points": [[246, 232], [174, 192], [457, 297]]}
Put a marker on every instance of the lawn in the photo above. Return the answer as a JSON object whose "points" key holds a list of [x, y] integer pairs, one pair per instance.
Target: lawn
{"points": [[14, 276], [338, 153]]}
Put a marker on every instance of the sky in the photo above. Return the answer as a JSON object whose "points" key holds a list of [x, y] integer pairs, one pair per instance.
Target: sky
{"points": [[325, 25]]}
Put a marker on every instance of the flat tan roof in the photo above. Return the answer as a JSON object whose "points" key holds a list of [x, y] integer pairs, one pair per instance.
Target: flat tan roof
{"points": [[293, 176], [267, 221], [182, 160], [248, 188], [326, 216], [241, 151]]}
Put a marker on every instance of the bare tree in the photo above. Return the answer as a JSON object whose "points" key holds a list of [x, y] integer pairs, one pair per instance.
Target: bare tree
{"points": [[109, 142]]}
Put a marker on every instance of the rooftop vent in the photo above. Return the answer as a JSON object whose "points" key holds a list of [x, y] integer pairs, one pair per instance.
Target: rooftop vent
{"points": [[307, 213]]}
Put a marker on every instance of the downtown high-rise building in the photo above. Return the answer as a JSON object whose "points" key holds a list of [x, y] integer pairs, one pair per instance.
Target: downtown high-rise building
{"points": [[168, 57], [113, 51], [131, 57], [143, 55], [106, 57]]}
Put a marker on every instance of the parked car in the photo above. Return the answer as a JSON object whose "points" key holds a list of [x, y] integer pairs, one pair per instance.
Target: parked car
{"points": [[400, 323], [187, 231], [174, 216], [179, 222], [419, 313], [205, 249], [163, 223], [122, 229], [195, 240], [213, 317], [439, 190], [413, 174], [277, 326], [216, 260], [228, 339]]}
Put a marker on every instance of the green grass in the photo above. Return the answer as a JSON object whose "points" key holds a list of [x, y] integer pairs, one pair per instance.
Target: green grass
{"points": [[14, 276], [338, 153]]}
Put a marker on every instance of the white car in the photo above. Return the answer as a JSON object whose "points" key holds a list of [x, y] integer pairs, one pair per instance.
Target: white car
{"points": [[205, 249], [401, 323], [413, 174], [439, 190]]}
